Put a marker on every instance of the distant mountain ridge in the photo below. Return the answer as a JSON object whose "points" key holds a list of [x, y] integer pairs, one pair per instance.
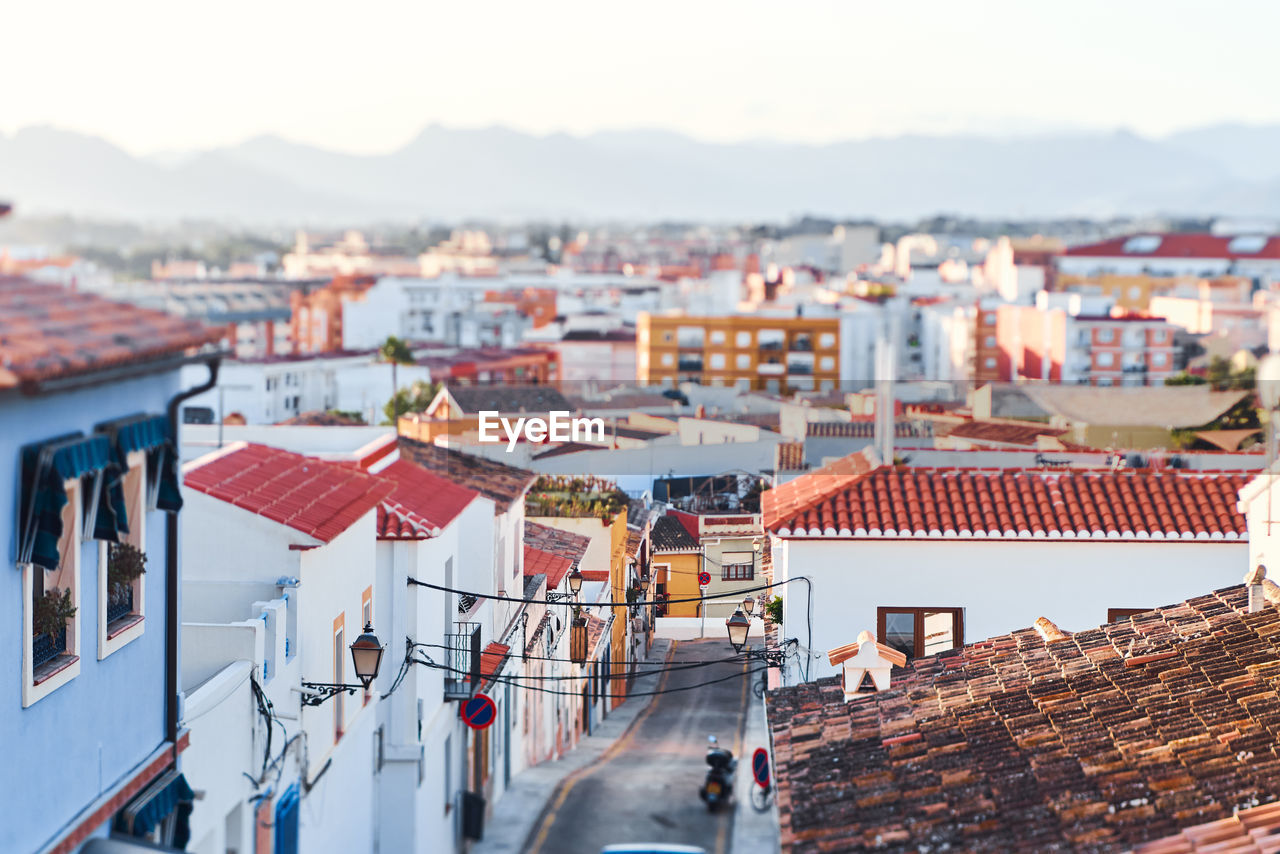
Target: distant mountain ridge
{"points": [[645, 175]]}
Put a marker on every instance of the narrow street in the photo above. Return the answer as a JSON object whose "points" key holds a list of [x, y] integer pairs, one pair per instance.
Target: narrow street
{"points": [[646, 787]]}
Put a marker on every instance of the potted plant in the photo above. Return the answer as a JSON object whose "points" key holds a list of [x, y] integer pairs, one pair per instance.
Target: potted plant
{"points": [[51, 612], [125, 564]]}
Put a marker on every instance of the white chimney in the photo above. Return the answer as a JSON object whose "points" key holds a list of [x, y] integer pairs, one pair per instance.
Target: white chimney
{"points": [[1253, 580], [865, 662]]}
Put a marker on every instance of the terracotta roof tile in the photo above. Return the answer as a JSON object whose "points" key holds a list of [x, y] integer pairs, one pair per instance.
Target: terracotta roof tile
{"points": [[313, 496], [782, 502], [502, 483], [668, 535], [1003, 432], [49, 332], [432, 500], [550, 539], [923, 502], [902, 429], [396, 522], [553, 566], [1109, 738]]}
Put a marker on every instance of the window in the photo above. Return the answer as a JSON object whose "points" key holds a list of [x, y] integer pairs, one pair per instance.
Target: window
{"points": [[668, 360], [743, 361], [990, 361], [772, 339], [989, 319], [1135, 292], [448, 771], [827, 340], [737, 572], [1159, 359], [1115, 614], [121, 575], [1105, 359], [1160, 335], [990, 341], [717, 361], [690, 336], [743, 339], [920, 631], [51, 637], [827, 363], [1106, 334], [717, 336]]}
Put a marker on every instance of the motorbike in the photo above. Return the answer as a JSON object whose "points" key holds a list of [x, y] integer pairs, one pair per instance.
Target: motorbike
{"points": [[718, 787]]}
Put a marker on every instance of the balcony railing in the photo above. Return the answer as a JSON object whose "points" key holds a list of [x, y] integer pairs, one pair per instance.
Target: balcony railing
{"points": [[462, 658], [120, 603], [47, 647]]}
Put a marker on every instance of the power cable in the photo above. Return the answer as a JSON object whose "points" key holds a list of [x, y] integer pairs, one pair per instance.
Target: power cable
{"points": [[508, 681], [498, 597]]}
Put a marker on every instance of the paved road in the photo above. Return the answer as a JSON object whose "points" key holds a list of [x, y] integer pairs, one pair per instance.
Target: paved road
{"points": [[645, 789]]}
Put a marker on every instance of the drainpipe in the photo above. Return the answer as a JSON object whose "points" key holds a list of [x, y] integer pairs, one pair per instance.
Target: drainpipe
{"points": [[173, 666]]}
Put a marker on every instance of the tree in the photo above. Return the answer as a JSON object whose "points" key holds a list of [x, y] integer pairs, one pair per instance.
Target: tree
{"points": [[415, 398], [395, 351]]}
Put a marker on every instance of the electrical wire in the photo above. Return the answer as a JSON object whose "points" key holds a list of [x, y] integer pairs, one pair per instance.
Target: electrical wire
{"points": [[581, 676], [659, 668], [508, 681], [498, 597]]}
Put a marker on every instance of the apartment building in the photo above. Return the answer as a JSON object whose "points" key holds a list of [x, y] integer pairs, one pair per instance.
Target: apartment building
{"points": [[1073, 339], [756, 352]]}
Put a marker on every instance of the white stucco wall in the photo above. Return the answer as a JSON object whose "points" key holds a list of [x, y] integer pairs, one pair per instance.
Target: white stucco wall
{"points": [[1001, 585]]}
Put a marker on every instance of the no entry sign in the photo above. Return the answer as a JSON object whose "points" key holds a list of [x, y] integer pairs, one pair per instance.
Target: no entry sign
{"points": [[704, 578], [479, 712], [760, 767]]}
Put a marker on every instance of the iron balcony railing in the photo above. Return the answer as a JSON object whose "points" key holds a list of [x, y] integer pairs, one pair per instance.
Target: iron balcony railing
{"points": [[462, 658], [120, 603], [47, 647]]}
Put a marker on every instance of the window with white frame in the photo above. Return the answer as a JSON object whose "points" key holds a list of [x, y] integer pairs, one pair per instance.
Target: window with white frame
{"points": [[122, 565], [717, 361], [1106, 334], [743, 339], [51, 647], [1105, 360], [1159, 359]]}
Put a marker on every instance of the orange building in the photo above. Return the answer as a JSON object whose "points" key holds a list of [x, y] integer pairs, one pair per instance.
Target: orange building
{"points": [[772, 353], [537, 304], [316, 324]]}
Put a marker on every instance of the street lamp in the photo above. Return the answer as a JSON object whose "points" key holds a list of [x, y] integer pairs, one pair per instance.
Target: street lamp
{"points": [[738, 625], [748, 605], [575, 581], [366, 655], [756, 545]]}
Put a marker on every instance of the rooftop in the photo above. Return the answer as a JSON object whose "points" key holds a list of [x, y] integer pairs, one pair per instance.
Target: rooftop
{"points": [[902, 429], [1003, 432], [499, 482], [506, 399], [1012, 503], [427, 496], [318, 498], [566, 544], [1169, 407], [553, 566], [1098, 741], [669, 535], [1235, 247], [49, 332]]}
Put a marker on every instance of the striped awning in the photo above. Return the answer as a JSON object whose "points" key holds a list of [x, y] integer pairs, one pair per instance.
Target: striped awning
{"points": [[46, 467]]}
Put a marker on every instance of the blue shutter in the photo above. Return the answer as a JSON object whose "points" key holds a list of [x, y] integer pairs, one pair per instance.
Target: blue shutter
{"points": [[286, 841]]}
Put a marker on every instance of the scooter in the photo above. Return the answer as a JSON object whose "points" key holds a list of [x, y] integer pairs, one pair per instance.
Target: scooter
{"points": [[718, 787]]}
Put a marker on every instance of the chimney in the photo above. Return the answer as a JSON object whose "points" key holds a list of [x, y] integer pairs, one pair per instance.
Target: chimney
{"points": [[1049, 631], [1254, 580], [865, 665]]}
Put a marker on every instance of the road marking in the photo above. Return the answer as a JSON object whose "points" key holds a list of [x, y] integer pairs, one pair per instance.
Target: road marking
{"points": [[567, 784], [737, 752]]}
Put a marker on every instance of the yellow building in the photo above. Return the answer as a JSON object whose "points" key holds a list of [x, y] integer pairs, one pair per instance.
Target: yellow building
{"points": [[770, 353], [677, 560]]}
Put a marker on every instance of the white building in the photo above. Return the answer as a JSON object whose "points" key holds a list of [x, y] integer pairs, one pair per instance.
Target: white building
{"points": [[929, 558], [303, 529], [269, 391]]}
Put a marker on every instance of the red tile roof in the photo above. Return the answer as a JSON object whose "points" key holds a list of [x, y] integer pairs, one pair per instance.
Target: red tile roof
{"points": [[318, 498], [429, 497], [1002, 432], [550, 539], [921, 502], [781, 503], [1251, 831], [491, 660], [554, 567], [500, 482], [1177, 246], [1096, 742], [50, 332], [396, 522]]}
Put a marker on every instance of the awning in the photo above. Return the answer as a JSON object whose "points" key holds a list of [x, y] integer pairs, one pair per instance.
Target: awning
{"points": [[149, 433], [45, 468], [157, 802]]}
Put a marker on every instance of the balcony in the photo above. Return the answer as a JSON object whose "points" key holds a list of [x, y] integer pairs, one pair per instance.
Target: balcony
{"points": [[771, 369], [47, 647], [689, 363], [462, 658], [801, 345]]}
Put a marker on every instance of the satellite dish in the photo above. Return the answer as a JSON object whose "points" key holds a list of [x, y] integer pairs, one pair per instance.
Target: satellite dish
{"points": [[1269, 381]]}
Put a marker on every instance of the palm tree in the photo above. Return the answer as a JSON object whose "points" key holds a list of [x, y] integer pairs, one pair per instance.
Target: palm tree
{"points": [[395, 351]]}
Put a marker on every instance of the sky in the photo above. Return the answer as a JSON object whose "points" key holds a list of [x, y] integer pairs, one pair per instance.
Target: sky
{"points": [[157, 76]]}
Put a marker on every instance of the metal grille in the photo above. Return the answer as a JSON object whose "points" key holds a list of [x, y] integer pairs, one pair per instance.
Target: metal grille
{"points": [[462, 658], [47, 647], [120, 603]]}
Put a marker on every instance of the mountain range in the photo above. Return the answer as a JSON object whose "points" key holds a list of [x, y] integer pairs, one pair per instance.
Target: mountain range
{"points": [[449, 174]]}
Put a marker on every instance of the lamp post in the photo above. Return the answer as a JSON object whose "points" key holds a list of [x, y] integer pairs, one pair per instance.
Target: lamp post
{"points": [[575, 587], [366, 656], [748, 606]]}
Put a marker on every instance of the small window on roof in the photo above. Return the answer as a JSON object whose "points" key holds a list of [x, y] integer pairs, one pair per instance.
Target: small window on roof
{"points": [[1142, 244], [1247, 244]]}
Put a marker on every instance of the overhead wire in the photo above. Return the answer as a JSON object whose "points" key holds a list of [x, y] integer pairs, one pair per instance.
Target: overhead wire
{"points": [[498, 597]]}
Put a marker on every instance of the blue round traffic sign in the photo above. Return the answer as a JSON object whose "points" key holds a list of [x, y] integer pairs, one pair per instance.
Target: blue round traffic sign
{"points": [[704, 578], [479, 712], [760, 766]]}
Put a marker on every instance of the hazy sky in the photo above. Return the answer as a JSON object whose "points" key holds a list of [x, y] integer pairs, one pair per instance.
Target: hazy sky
{"points": [[156, 75]]}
